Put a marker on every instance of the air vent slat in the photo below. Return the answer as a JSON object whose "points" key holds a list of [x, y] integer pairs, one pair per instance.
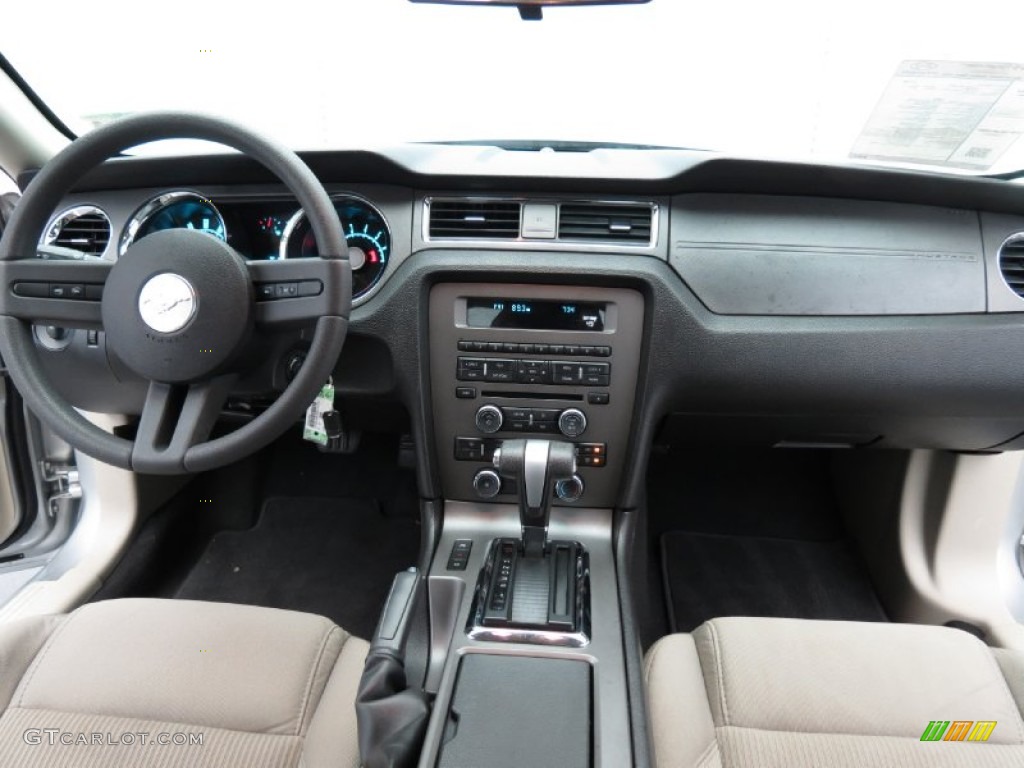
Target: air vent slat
{"points": [[85, 229], [475, 230], [606, 223], [468, 219]]}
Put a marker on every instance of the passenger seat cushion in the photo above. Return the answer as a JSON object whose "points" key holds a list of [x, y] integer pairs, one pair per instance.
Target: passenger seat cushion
{"points": [[835, 677], [683, 733], [751, 748], [1012, 665], [786, 693]]}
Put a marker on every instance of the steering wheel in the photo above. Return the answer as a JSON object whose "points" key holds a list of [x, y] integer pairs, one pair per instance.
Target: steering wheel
{"points": [[180, 308]]}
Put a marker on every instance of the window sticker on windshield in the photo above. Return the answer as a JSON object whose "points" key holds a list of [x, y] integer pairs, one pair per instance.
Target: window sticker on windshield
{"points": [[946, 113]]}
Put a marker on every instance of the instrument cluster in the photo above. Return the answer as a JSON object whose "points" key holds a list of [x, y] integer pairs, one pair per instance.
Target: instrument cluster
{"points": [[270, 229]]}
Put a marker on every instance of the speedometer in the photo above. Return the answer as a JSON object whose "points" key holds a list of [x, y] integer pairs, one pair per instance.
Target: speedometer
{"points": [[367, 234], [174, 210]]}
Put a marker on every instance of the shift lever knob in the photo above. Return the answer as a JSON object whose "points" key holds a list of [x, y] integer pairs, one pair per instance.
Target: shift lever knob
{"points": [[536, 465]]}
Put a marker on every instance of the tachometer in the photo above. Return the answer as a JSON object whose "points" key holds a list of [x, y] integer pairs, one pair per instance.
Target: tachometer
{"points": [[174, 210], [367, 234]]}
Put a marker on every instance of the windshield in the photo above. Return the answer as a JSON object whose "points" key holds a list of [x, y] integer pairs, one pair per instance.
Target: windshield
{"points": [[896, 82]]}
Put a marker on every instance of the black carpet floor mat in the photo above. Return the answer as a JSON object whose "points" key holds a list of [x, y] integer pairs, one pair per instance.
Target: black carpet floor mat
{"points": [[333, 557], [709, 575]]}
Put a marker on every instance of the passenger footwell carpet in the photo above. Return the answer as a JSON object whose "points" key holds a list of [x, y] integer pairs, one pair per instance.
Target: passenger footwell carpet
{"points": [[708, 575], [333, 557]]}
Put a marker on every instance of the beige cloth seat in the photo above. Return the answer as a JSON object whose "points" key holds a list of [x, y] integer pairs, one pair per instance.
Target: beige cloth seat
{"points": [[263, 687], [741, 692]]}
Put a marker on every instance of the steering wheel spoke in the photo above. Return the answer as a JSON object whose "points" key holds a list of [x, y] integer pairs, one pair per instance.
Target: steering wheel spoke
{"points": [[65, 293], [175, 417], [299, 291]]}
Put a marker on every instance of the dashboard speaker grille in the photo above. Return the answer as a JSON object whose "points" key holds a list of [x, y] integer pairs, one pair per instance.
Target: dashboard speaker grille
{"points": [[84, 228], [1011, 263], [474, 220], [605, 223]]}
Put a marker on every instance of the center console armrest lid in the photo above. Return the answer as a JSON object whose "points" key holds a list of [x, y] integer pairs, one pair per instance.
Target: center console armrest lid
{"points": [[509, 711]]}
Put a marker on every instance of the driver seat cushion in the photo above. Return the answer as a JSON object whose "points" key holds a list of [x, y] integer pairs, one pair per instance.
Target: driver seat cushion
{"points": [[764, 692], [264, 687]]}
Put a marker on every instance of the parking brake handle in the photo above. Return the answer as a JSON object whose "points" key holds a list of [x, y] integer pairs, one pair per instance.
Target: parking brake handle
{"points": [[391, 716]]}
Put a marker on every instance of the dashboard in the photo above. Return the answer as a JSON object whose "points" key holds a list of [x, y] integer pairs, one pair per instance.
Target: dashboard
{"points": [[739, 301]]}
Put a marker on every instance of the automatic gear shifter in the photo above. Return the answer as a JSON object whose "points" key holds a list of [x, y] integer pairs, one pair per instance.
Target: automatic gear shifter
{"points": [[536, 465], [532, 585]]}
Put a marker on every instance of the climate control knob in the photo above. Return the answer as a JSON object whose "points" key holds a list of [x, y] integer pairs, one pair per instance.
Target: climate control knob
{"points": [[569, 489], [572, 422], [488, 419], [487, 483]]}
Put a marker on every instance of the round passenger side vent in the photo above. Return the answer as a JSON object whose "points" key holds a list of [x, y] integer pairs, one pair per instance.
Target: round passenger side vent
{"points": [[84, 228], [1011, 262]]}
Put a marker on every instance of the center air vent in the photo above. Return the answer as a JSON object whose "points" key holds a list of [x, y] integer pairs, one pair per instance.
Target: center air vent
{"points": [[474, 220], [605, 223], [1011, 263], [84, 228]]}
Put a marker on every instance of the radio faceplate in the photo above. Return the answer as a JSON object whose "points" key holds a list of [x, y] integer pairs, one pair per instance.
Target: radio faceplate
{"points": [[490, 383]]}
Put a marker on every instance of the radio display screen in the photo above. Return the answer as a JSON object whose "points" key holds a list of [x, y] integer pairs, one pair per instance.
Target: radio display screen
{"points": [[531, 314]]}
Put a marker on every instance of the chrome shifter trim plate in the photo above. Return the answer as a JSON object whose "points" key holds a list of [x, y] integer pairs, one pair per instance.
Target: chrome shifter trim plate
{"points": [[476, 630]]}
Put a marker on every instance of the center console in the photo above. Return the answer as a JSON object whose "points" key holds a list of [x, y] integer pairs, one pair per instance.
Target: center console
{"points": [[532, 390]]}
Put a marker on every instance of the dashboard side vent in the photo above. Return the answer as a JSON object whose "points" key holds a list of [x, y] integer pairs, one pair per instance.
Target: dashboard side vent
{"points": [[84, 228], [474, 220], [609, 223], [1011, 263]]}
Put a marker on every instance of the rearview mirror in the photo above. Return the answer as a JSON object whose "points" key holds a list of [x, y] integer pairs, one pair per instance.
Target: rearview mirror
{"points": [[532, 9]]}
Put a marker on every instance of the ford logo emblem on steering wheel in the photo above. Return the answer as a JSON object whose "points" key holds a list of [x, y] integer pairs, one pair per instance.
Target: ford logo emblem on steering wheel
{"points": [[167, 302]]}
